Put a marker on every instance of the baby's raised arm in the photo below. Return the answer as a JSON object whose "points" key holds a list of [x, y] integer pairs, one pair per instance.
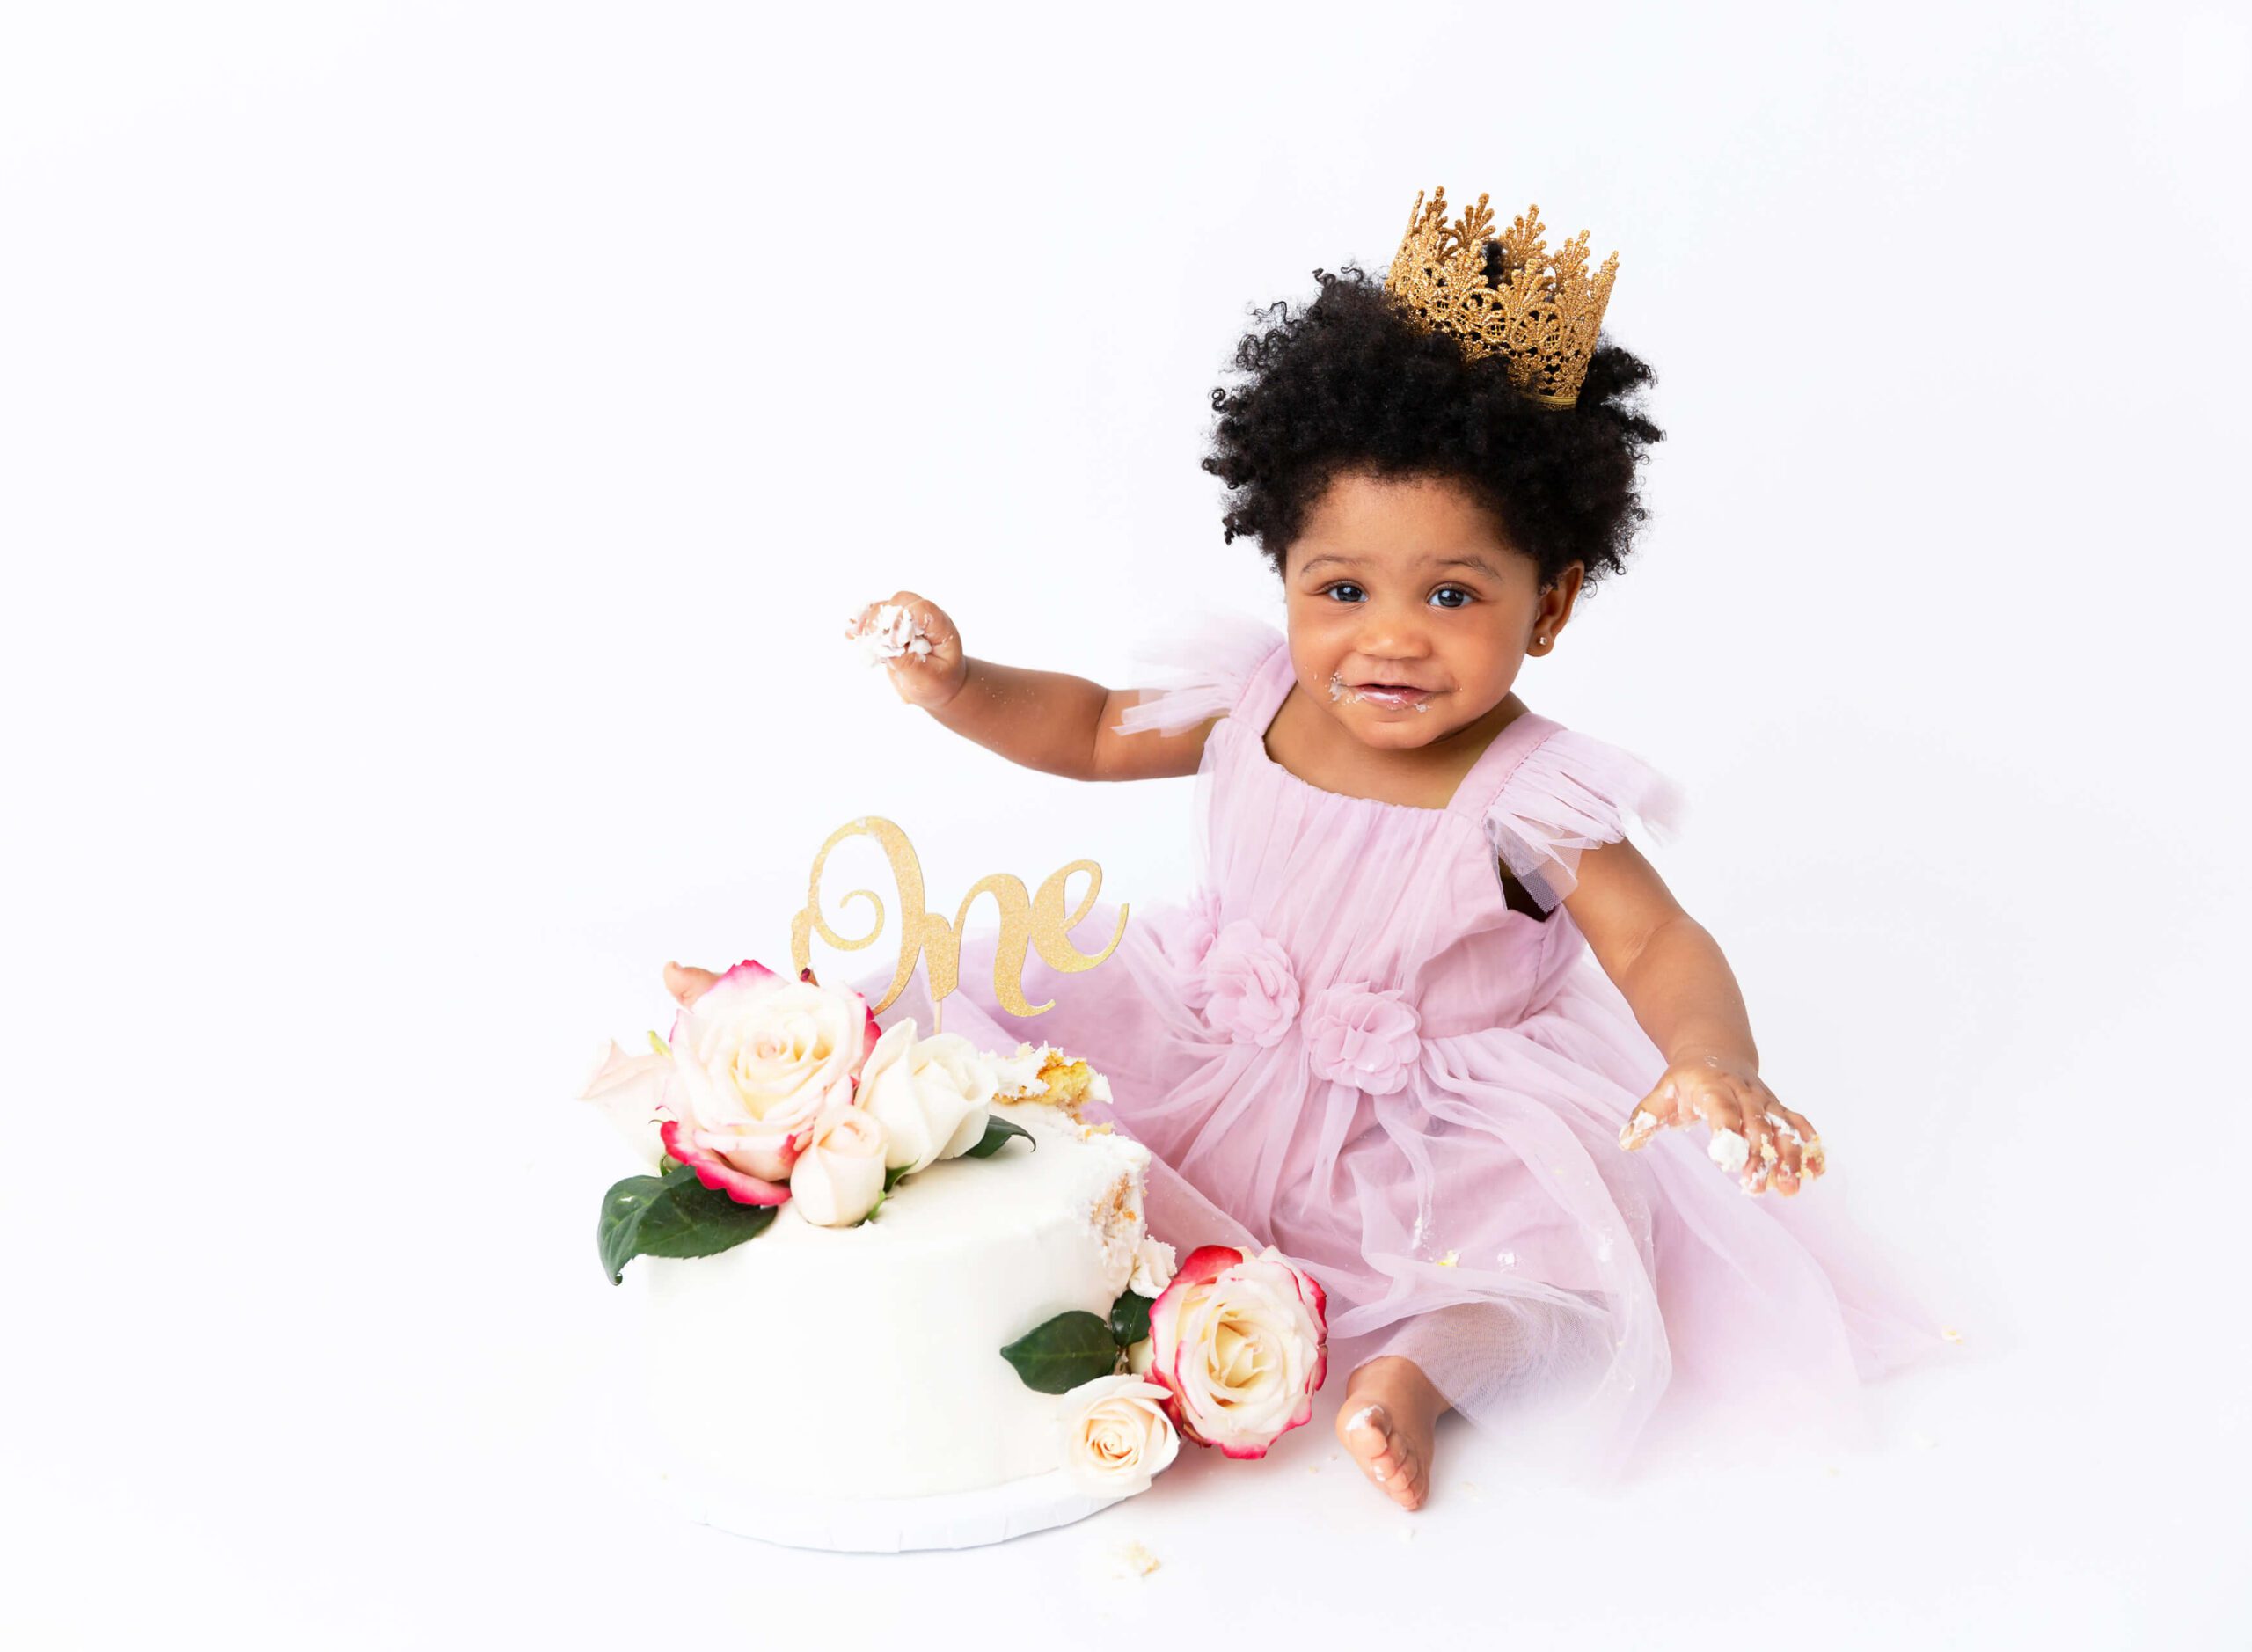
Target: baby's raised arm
{"points": [[1047, 720]]}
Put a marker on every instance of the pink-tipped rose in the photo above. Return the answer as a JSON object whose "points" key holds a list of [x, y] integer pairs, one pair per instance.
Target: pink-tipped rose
{"points": [[760, 1058], [1240, 1343]]}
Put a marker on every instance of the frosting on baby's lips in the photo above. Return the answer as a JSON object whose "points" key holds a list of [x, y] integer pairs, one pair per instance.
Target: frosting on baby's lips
{"points": [[1342, 690], [892, 631]]}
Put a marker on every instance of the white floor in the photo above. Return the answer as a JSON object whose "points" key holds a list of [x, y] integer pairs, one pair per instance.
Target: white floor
{"points": [[419, 1437], [1988, 1520]]}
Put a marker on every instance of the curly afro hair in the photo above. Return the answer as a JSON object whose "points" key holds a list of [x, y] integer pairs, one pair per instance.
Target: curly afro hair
{"points": [[1350, 384]]}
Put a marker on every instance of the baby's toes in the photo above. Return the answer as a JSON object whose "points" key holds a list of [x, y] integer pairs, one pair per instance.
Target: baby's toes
{"points": [[1367, 1434], [1413, 1483]]}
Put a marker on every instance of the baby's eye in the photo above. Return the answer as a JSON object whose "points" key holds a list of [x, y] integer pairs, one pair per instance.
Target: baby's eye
{"points": [[1345, 585], [1451, 590]]}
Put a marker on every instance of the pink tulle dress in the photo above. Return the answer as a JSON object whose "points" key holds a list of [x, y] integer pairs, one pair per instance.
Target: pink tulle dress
{"points": [[1346, 1043]]}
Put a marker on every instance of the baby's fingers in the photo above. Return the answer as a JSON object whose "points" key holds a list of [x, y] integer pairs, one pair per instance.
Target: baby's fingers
{"points": [[904, 630], [1744, 1141], [1804, 1144], [1785, 1170], [1774, 1144], [1758, 1174], [1791, 1138], [1731, 1148], [864, 615], [1651, 1114]]}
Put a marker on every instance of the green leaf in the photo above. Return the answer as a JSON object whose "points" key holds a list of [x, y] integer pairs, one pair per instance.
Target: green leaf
{"points": [[674, 1215], [1130, 1319], [691, 1219], [997, 1131], [621, 1222], [1058, 1355]]}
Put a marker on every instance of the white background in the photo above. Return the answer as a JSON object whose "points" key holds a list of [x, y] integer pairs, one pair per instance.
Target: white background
{"points": [[439, 446]]}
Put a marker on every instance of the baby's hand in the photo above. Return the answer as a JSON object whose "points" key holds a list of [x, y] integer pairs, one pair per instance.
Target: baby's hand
{"points": [[917, 642], [1756, 1138]]}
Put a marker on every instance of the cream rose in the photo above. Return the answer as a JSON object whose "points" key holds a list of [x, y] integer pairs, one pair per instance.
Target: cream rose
{"points": [[760, 1058], [839, 1177], [1116, 1436], [1240, 1344], [631, 1091], [930, 1094]]}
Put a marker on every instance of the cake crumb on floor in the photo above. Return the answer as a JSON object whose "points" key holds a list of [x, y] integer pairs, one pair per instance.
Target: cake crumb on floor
{"points": [[1134, 1560]]}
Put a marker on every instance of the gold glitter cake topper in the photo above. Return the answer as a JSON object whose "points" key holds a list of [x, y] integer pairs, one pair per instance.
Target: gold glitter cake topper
{"points": [[1543, 317], [1027, 921]]}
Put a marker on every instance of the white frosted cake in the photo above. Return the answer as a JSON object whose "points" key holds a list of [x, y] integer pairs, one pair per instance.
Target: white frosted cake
{"points": [[899, 1294], [866, 1362]]}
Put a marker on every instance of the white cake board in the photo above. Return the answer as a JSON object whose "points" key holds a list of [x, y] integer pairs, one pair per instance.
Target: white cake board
{"points": [[956, 1520]]}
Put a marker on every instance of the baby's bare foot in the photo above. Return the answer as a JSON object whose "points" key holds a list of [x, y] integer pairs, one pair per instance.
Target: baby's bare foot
{"points": [[1387, 1423]]}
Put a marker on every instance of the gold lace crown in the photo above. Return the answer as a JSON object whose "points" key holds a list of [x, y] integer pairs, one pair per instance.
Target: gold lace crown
{"points": [[1543, 319]]}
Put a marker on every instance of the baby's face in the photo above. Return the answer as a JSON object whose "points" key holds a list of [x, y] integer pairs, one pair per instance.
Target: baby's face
{"points": [[1409, 614]]}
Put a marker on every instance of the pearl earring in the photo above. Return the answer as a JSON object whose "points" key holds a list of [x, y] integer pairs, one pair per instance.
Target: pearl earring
{"points": [[1543, 639]]}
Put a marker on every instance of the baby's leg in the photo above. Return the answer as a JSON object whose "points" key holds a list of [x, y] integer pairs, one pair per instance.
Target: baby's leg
{"points": [[1390, 1412]]}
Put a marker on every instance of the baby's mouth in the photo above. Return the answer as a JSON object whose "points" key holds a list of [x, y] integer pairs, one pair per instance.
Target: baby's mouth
{"points": [[1394, 696]]}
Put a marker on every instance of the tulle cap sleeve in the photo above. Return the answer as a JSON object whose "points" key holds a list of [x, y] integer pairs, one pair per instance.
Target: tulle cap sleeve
{"points": [[1196, 673], [1572, 792]]}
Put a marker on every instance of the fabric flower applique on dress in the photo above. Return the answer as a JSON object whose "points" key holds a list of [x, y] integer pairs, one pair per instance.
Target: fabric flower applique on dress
{"points": [[1188, 942], [1369, 1040], [1253, 991]]}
